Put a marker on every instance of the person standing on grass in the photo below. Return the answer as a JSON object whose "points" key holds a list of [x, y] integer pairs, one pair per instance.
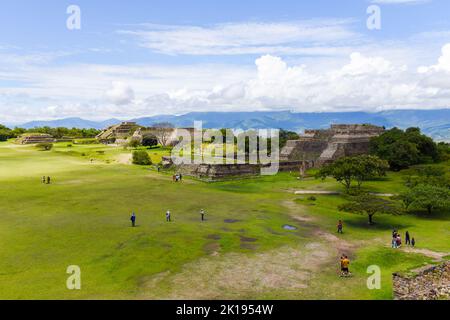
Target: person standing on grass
{"points": [[413, 242], [399, 241], [394, 241], [133, 219], [340, 227], [202, 213], [345, 262], [43, 179], [407, 238], [48, 180], [168, 216]]}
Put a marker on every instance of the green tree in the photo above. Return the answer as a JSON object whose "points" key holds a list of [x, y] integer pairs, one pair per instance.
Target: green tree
{"points": [[141, 157], [404, 148], [369, 205], [358, 168], [285, 136], [429, 197]]}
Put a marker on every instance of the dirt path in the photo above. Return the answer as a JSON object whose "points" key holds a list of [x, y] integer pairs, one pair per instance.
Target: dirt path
{"points": [[124, 158], [437, 256]]}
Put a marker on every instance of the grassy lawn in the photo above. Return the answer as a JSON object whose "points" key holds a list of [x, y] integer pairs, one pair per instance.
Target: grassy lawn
{"points": [[241, 251]]}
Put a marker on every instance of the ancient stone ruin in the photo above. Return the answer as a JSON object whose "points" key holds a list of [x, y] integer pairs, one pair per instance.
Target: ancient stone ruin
{"points": [[116, 133], [319, 147], [314, 149], [34, 138], [433, 283]]}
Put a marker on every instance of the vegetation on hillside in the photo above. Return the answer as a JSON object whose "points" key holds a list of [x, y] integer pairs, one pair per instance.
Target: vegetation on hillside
{"points": [[58, 133]]}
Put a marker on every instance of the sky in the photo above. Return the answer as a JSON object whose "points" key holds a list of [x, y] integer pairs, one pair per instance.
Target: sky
{"points": [[127, 59]]}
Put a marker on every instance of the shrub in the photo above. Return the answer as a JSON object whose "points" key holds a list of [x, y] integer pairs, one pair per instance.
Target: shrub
{"points": [[44, 146], [142, 158], [134, 143]]}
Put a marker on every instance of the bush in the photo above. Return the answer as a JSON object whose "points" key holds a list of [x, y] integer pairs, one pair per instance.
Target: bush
{"points": [[44, 146], [142, 158]]}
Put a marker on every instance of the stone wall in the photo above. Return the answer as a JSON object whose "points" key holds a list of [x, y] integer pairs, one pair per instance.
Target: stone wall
{"points": [[325, 146], [433, 283], [219, 171]]}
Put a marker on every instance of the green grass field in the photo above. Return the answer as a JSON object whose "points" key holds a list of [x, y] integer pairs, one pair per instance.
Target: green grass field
{"points": [[241, 251]]}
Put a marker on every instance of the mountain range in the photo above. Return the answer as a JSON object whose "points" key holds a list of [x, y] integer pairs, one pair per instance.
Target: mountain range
{"points": [[435, 123]]}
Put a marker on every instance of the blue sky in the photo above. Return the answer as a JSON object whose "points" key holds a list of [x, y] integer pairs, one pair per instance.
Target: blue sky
{"points": [[135, 58]]}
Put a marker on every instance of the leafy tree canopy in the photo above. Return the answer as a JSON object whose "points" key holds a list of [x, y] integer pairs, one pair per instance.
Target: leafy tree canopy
{"points": [[404, 148]]}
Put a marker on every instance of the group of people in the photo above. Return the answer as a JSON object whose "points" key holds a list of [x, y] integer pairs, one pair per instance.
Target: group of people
{"points": [[45, 180], [397, 239], [168, 217], [177, 177]]}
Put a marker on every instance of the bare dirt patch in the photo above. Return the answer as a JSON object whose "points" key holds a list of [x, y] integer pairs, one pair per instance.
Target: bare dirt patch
{"points": [[238, 275], [124, 158], [437, 256]]}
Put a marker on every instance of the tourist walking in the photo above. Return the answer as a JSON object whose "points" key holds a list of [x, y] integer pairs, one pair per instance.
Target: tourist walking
{"points": [[407, 238], [48, 180], [168, 216], [413, 242], [133, 219], [340, 227]]}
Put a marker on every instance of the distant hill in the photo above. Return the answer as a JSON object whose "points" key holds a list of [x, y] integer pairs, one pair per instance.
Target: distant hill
{"points": [[71, 123], [435, 123]]}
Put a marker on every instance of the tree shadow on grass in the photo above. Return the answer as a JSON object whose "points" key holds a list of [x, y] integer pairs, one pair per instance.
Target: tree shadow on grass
{"points": [[441, 215], [380, 224]]}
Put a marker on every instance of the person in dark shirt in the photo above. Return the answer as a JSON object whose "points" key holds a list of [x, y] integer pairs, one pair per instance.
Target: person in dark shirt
{"points": [[407, 238], [133, 219]]}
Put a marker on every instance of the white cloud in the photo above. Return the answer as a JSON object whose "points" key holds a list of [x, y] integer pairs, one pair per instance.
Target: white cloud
{"points": [[120, 93], [443, 62], [364, 81], [300, 37]]}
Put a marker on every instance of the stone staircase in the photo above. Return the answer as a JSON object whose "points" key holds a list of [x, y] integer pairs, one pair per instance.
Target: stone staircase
{"points": [[329, 153]]}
